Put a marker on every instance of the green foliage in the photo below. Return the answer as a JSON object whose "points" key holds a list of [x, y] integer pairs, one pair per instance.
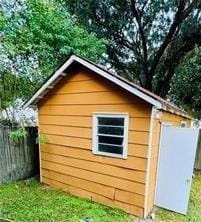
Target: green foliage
{"points": [[36, 37], [194, 211], [52, 34], [30, 201], [147, 39], [17, 134], [6, 122], [42, 139], [186, 83]]}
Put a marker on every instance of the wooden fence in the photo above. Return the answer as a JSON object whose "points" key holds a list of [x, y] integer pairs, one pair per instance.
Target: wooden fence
{"points": [[18, 160], [198, 154]]}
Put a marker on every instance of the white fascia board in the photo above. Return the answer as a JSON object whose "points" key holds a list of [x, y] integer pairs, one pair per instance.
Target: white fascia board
{"points": [[102, 73], [52, 79], [120, 83]]}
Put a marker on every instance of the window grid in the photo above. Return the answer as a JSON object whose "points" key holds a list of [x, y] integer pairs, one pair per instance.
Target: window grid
{"points": [[124, 137], [109, 135]]}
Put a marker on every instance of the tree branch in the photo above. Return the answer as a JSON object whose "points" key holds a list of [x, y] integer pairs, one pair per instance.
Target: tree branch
{"points": [[136, 14], [168, 38], [174, 58], [180, 15], [189, 9]]}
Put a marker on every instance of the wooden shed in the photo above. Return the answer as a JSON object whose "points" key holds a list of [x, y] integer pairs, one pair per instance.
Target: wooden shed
{"points": [[103, 135]]}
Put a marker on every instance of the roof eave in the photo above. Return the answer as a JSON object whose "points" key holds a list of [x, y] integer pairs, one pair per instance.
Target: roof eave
{"points": [[74, 58]]}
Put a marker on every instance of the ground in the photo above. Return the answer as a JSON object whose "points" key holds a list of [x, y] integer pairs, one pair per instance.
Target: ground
{"points": [[28, 201]]}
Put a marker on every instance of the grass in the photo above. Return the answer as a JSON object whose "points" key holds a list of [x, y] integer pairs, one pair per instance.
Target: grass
{"points": [[31, 202], [194, 210]]}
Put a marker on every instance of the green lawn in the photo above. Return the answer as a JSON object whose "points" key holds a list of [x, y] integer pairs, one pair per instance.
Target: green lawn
{"points": [[31, 202], [194, 210]]}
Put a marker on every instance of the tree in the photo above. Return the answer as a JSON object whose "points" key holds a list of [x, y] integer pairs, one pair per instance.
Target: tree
{"points": [[35, 37], [186, 83], [147, 39]]}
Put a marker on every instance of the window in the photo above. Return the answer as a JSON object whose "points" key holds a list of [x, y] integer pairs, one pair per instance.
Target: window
{"points": [[110, 134], [183, 124]]}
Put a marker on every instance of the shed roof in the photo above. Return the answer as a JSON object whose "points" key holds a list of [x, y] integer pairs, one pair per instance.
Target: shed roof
{"points": [[133, 88]]}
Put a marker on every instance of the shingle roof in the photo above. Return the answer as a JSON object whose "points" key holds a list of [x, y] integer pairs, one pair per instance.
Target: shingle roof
{"points": [[135, 89]]}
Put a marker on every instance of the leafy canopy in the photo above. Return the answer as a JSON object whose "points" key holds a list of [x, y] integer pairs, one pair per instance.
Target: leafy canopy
{"points": [[36, 36], [186, 83], [147, 39]]}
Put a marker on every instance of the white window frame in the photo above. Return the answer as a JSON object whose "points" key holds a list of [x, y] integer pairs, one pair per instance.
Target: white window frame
{"points": [[95, 134]]}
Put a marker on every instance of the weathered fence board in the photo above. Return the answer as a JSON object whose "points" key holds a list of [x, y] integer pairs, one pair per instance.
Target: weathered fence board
{"points": [[18, 160], [198, 154]]}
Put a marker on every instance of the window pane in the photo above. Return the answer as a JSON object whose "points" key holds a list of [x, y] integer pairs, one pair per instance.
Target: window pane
{"points": [[111, 130], [110, 121], [110, 140], [110, 149]]}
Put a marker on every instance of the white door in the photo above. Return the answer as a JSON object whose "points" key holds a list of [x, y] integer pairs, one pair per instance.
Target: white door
{"points": [[175, 167]]}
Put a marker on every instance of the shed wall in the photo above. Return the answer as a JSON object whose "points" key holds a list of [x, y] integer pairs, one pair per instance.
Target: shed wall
{"points": [[175, 120], [67, 162]]}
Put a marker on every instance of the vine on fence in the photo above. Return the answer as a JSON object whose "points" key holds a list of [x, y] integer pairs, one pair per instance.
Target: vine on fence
{"points": [[17, 134]]}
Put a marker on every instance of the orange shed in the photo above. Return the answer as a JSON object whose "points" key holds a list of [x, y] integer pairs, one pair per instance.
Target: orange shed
{"points": [[103, 135]]}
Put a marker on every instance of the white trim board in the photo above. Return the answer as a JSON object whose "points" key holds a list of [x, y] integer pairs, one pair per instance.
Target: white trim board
{"points": [[99, 71], [95, 133], [151, 127]]}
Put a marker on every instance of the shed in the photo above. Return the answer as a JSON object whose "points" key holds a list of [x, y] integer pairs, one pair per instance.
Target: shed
{"points": [[103, 135]]}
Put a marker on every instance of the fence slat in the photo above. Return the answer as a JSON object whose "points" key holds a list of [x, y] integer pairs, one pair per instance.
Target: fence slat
{"points": [[18, 160]]}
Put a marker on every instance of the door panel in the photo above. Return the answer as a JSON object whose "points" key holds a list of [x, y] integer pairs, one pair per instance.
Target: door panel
{"points": [[175, 167]]}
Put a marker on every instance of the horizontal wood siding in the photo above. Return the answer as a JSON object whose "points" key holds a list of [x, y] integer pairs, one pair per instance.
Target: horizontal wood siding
{"points": [[85, 133], [67, 161], [135, 124], [175, 120], [112, 167], [130, 208], [87, 110]]}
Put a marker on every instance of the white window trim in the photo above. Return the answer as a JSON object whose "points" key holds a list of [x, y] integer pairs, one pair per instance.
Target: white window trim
{"points": [[125, 136]]}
